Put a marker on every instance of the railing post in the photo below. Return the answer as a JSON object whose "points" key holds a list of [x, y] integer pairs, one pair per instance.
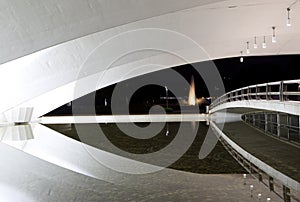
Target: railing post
{"points": [[256, 91], [271, 183], [278, 125], [266, 122], [260, 177], [286, 194], [288, 124], [248, 92], [267, 92], [299, 125], [281, 96]]}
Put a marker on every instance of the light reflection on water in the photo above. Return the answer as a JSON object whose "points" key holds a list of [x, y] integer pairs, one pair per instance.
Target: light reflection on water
{"points": [[10, 193], [16, 132]]}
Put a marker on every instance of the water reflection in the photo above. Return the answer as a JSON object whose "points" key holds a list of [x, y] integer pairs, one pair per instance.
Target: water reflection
{"points": [[21, 132], [218, 161]]}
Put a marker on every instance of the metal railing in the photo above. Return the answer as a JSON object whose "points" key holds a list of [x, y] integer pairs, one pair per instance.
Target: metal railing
{"points": [[282, 185], [274, 185], [281, 91], [281, 125]]}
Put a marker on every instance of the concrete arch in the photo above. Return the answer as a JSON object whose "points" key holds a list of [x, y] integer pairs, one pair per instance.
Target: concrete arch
{"points": [[51, 72], [92, 66]]}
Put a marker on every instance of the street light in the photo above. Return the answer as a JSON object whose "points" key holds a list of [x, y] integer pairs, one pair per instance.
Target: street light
{"points": [[288, 22], [105, 102], [244, 176], [251, 190], [167, 95], [259, 197], [167, 132]]}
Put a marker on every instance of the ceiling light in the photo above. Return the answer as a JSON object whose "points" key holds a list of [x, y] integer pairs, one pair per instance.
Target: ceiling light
{"points": [[241, 59], [288, 22], [255, 43], [273, 36], [248, 49], [264, 44]]}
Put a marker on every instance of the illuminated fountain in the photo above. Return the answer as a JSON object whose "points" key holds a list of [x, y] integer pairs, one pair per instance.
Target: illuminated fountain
{"points": [[192, 94], [192, 99]]}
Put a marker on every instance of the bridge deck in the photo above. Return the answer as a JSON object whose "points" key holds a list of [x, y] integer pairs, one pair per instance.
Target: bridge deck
{"points": [[277, 153]]}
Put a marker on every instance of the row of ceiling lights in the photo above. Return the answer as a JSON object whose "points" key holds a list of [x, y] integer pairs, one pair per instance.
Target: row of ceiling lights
{"points": [[274, 40]]}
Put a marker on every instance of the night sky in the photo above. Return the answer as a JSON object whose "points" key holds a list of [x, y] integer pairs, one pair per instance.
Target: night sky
{"points": [[254, 70]]}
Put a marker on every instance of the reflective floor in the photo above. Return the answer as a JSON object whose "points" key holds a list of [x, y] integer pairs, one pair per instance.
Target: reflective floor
{"points": [[49, 166]]}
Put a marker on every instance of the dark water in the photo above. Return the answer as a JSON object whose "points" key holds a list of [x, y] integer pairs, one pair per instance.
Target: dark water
{"points": [[217, 162]]}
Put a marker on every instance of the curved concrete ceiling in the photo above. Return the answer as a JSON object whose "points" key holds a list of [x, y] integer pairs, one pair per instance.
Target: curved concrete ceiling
{"points": [[151, 31], [29, 26]]}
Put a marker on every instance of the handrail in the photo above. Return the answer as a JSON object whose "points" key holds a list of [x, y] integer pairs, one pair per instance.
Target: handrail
{"points": [[281, 90]]}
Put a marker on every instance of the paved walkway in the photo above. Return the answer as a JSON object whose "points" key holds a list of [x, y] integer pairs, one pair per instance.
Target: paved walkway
{"points": [[280, 155]]}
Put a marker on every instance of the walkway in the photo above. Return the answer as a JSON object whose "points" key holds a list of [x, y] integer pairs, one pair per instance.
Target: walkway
{"points": [[281, 155]]}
